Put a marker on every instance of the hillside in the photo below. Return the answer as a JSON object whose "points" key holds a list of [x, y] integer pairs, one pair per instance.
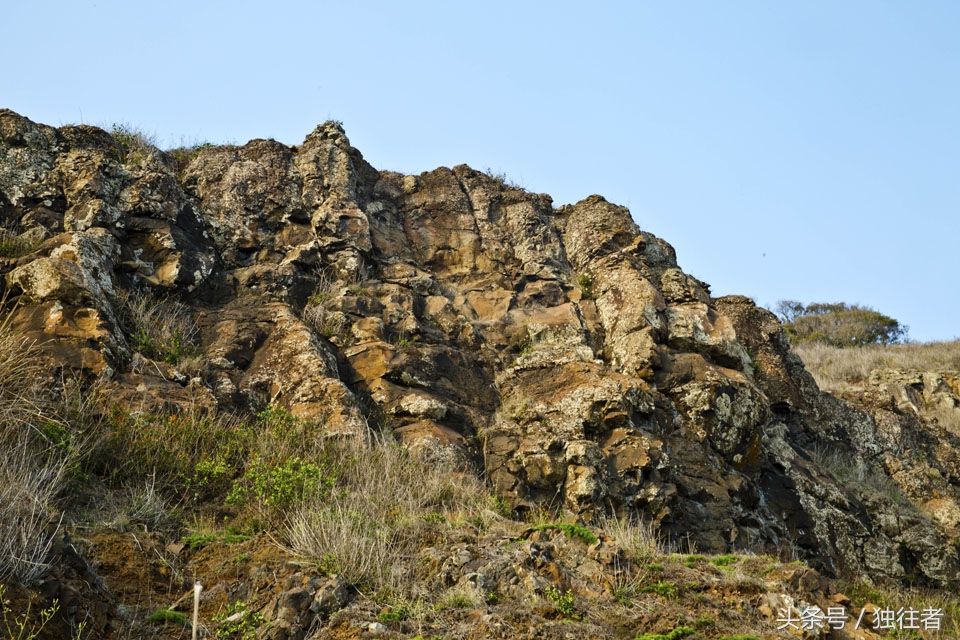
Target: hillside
{"points": [[366, 404]]}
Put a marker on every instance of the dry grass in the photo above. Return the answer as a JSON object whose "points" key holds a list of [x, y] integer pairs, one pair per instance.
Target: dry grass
{"points": [[160, 329], [369, 527], [834, 367], [639, 539], [33, 462], [14, 244]]}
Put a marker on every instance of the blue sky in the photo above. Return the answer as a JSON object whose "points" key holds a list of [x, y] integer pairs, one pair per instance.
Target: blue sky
{"points": [[803, 150]]}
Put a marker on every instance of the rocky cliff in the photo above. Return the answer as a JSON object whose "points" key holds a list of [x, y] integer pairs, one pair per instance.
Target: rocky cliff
{"points": [[558, 352]]}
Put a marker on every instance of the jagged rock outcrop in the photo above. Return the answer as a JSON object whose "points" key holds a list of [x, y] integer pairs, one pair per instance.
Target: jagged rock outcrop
{"points": [[561, 352]]}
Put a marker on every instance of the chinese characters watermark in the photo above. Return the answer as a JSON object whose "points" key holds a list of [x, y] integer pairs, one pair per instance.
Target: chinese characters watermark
{"points": [[814, 618]]}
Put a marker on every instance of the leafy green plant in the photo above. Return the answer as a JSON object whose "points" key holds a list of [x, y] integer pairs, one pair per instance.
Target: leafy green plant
{"points": [[678, 632], [273, 486], [663, 588], [197, 541], [565, 602], [192, 455], [585, 282], [724, 561], [704, 621], [398, 612], [238, 622], [165, 616], [572, 530]]}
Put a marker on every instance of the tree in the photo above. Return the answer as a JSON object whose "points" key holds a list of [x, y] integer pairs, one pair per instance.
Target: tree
{"points": [[838, 324]]}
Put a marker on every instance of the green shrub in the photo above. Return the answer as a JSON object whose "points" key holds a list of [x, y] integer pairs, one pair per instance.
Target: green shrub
{"points": [[571, 530], [679, 632], [273, 486], [164, 616], [663, 588], [724, 561], [191, 455], [585, 283], [243, 627], [563, 601]]}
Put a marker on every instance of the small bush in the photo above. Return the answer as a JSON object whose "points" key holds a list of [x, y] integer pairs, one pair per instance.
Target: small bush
{"points": [[241, 627], [662, 588], [571, 530], [191, 455], [585, 283], [165, 616], [565, 602], [275, 486], [724, 561]]}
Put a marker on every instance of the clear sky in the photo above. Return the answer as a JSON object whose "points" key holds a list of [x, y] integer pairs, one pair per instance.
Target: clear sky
{"points": [[806, 150]]}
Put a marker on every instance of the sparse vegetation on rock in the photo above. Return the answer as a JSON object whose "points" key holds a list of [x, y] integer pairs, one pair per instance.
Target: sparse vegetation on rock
{"points": [[362, 403]]}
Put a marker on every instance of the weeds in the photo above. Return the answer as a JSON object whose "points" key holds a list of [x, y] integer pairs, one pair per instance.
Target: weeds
{"points": [[16, 245], [132, 145], [183, 155], [834, 367], [663, 588], [850, 470], [165, 616], [367, 526], [571, 530], [36, 457], [679, 632], [160, 329], [639, 539], [238, 622], [192, 455], [565, 602], [22, 627]]}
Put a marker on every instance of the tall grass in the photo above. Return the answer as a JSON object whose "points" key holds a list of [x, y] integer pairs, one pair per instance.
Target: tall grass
{"points": [[833, 367], [33, 465], [369, 527], [160, 328]]}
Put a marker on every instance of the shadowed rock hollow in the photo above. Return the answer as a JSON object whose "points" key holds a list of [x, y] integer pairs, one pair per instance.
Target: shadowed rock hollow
{"points": [[560, 352]]}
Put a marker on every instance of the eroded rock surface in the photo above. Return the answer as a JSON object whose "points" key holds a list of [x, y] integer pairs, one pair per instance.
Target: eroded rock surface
{"points": [[560, 352]]}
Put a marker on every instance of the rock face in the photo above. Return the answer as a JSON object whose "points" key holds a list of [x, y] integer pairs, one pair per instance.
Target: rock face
{"points": [[560, 352]]}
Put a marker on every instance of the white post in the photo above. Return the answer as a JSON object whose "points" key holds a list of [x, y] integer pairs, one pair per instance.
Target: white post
{"points": [[196, 607]]}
